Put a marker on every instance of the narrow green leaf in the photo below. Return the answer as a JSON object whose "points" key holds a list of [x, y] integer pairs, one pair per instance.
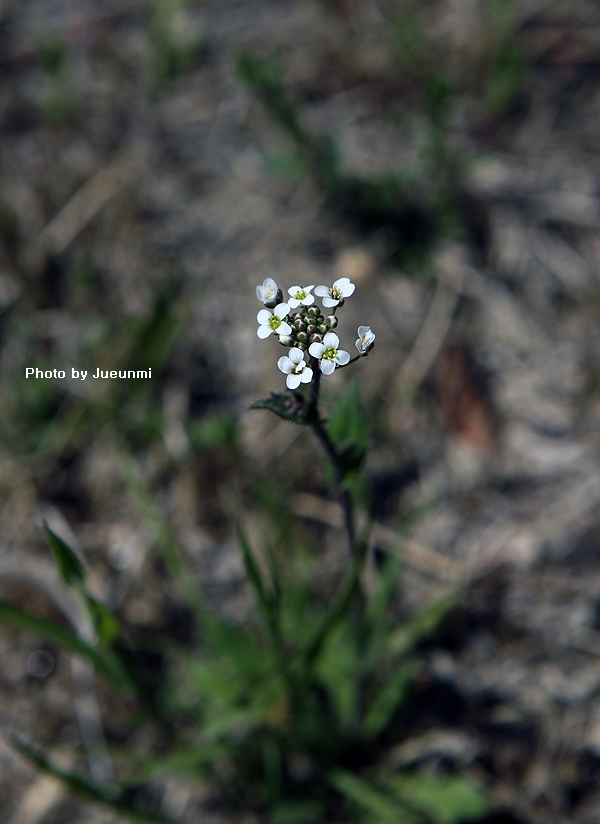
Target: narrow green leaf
{"points": [[105, 623], [372, 799], [82, 787], [348, 427], [253, 572], [69, 566], [421, 624], [105, 660], [390, 697], [453, 800]]}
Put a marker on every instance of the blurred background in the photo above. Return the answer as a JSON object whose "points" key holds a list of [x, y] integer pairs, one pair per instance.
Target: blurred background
{"points": [[161, 159]]}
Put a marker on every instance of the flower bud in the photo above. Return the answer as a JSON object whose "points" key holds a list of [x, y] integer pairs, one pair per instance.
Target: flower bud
{"points": [[314, 311], [301, 346], [316, 339], [331, 321], [299, 325], [311, 329], [286, 340], [322, 329], [302, 337]]}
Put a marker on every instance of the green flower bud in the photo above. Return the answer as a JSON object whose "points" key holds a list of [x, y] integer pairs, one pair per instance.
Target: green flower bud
{"points": [[314, 311], [301, 345], [286, 340], [316, 339], [311, 329], [299, 325], [322, 328], [332, 321], [302, 337]]}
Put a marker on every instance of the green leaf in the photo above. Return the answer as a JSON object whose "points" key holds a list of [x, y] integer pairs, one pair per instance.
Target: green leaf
{"points": [[105, 660], [390, 697], [373, 800], [421, 625], [348, 428], [84, 788], [443, 802], [105, 623], [290, 406], [304, 811], [69, 566]]}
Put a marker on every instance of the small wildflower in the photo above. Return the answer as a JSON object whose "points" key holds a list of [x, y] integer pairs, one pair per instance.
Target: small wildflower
{"points": [[342, 288], [269, 293], [273, 322], [295, 368], [366, 340], [300, 296], [328, 354]]}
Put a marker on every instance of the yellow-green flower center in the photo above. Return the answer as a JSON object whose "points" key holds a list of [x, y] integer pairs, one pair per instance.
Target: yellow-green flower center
{"points": [[274, 322], [329, 354], [335, 293]]}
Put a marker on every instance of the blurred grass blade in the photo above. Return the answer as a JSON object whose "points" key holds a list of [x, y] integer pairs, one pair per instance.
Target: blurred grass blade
{"points": [[421, 625], [69, 566], [390, 697], [176, 564], [105, 660], [379, 804], [449, 801], [348, 427], [82, 787], [105, 623]]}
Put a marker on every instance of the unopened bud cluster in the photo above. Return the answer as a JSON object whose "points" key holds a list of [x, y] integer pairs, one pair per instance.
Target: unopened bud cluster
{"points": [[306, 329]]}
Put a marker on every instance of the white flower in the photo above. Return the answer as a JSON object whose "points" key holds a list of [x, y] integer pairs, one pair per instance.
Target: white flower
{"points": [[267, 293], [366, 340], [328, 353], [295, 368], [342, 288], [273, 322], [300, 296]]}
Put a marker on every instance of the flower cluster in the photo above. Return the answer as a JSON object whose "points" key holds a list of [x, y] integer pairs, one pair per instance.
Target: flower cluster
{"points": [[308, 330]]}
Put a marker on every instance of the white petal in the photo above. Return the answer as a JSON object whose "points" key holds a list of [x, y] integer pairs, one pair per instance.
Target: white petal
{"points": [[316, 349], [284, 329], [296, 355], [347, 289], [293, 289], [294, 303], [308, 300], [264, 316], [292, 381], [285, 364], [331, 341], [327, 367], [363, 330], [330, 302], [308, 288], [306, 375], [341, 282], [263, 332], [281, 310], [322, 291], [342, 357]]}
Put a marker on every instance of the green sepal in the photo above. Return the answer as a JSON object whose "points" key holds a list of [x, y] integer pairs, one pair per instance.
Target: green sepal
{"points": [[69, 566], [290, 406]]}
